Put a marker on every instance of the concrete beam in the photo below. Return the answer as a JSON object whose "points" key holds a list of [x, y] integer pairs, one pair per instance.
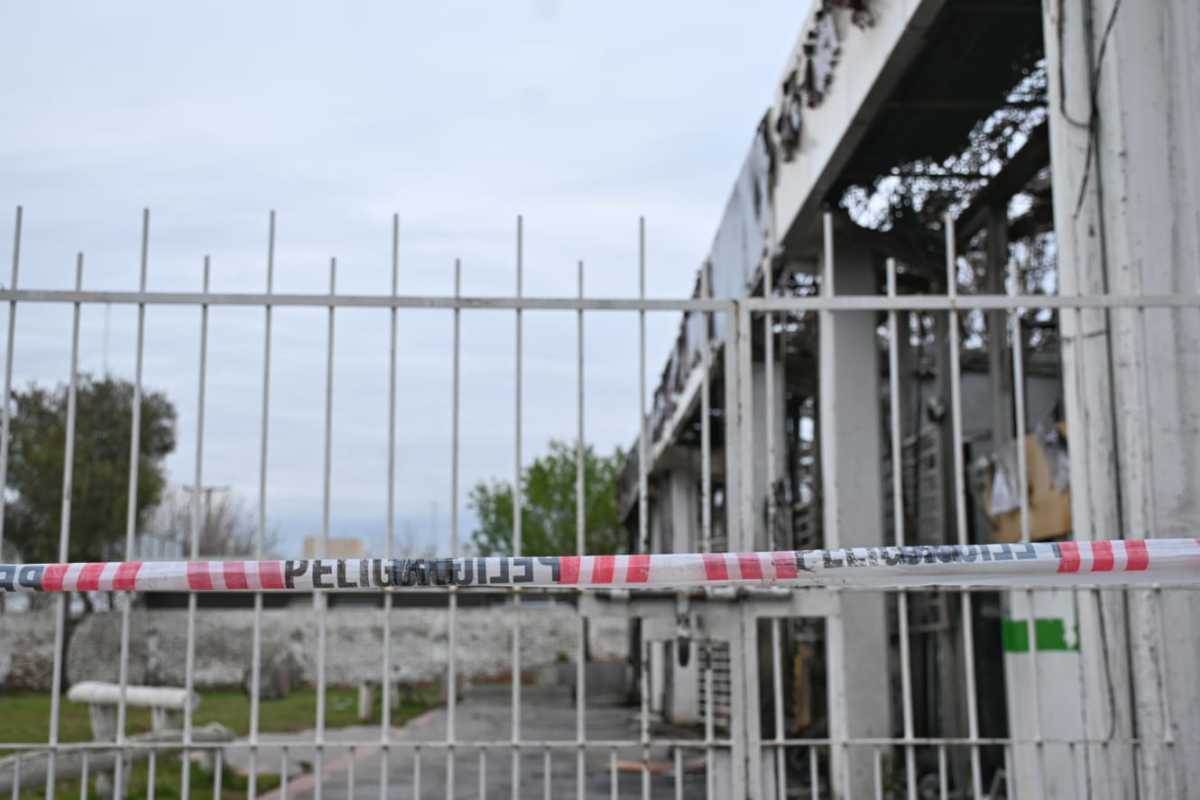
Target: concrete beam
{"points": [[873, 61]]}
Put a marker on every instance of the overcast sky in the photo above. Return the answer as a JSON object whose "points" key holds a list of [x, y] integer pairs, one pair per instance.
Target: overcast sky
{"points": [[457, 116]]}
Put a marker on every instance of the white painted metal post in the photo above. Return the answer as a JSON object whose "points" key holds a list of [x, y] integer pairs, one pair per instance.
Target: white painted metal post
{"points": [[197, 487], [897, 449], [643, 504], [960, 503], [135, 437], [835, 638], [706, 520], [771, 540], [319, 599], [385, 714], [743, 695], [580, 549], [851, 445], [1018, 361], [261, 532], [64, 538], [452, 626], [9, 343], [517, 520]]}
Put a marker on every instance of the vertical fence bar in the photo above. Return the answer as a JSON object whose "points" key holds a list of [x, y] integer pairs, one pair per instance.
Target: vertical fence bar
{"points": [[261, 532], [777, 699], [814, 773], [218, 768], [745, 695], [769, 408], [8, 368], [710, 755], [771, 541], [1018, 366], [417, 771], [643, 509], [839, 770], [85, 778], [151, 774], [612, 774], [452, 676], [643, 527], [64, 537], [960, 506], [706, 419], [546, 773], [482, 773], [644, 716], [283, 773], [385, 713], [350, 772], [743, 537], [910, 765], [581, 549], [678, 773], [517, 488], [185, 788], [135, 437], [943, 783], [706, 524], [322, 605]]}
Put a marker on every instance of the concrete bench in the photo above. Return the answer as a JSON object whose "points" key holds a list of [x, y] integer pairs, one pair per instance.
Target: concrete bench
{"points": [[166, 705]]}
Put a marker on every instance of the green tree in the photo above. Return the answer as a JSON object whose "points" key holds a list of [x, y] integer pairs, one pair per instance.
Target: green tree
{"points": [[548, 506], [100, 490]]}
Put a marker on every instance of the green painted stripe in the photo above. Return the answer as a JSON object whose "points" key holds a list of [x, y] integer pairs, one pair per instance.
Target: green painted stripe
{"points": [[1051, 633]]}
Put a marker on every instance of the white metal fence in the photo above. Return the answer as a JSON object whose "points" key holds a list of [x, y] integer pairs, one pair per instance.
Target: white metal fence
{"points": [[752, 754]]}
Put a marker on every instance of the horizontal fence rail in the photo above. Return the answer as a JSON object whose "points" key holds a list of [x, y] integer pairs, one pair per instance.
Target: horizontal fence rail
{"points": [[866, 302], [1129, 562]]}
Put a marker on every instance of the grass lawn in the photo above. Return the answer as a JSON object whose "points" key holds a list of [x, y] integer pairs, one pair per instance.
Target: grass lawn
{"points": [[24, 717]]}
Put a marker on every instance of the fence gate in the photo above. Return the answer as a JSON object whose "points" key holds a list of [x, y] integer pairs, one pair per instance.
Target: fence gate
{"points": [[766, 675]]}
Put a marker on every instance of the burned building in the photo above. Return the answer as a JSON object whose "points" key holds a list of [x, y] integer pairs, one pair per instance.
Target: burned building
{"points": [[957, 280]]}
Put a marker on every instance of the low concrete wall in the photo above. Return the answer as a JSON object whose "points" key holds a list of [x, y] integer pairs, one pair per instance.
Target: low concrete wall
{"points": [[354, 652], [26, 650]]}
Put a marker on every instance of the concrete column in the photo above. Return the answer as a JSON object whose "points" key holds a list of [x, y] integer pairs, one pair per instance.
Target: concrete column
{"points": [[851, 461], [682, 487], [758, 373], [684, 700], [658, 675], [1126, 178], [682, 490]]}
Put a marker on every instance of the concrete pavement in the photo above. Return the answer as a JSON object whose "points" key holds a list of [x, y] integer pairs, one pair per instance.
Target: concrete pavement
{"points": [[484, 714]]}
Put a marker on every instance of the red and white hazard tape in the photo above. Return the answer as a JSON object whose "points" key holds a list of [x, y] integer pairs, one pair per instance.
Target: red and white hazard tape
{"points": [[1122, 562]]}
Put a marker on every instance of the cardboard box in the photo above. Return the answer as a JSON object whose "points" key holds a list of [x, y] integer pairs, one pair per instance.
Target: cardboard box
{"points": [[1049, 507]]}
